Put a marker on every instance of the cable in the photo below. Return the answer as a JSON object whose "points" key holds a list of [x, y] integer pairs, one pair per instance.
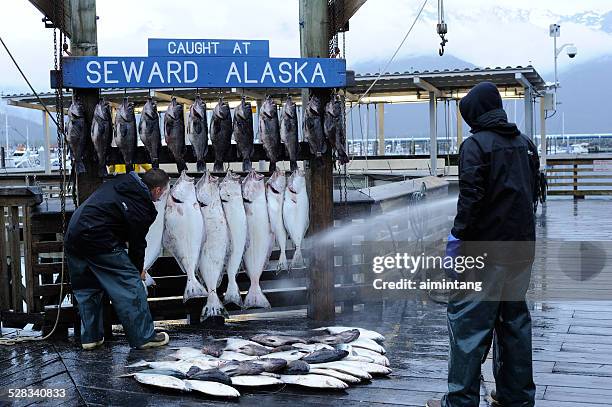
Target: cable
{"points": [[394, 54]]}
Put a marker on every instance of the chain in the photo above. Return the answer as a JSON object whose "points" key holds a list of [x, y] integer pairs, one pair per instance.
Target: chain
{"points": [[59, 18]]}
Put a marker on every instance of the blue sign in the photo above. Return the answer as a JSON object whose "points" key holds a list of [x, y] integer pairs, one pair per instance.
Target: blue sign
{"points": [[162, 47], [203, 72]]}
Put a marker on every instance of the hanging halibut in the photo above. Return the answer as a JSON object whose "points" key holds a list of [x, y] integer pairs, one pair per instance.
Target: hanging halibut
{"points": [[174, 132], [102, 133], [183, 231], [259, 237], [221, 133], [275, 193], [233, 207], [198, 131], [150, 134], [295, 213], [215, 242], [156, 232], [75, 134], [126, 138], [289, 131]]}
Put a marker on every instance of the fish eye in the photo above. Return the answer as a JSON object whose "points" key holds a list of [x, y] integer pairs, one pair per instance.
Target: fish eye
{"points": [[176, 200]]}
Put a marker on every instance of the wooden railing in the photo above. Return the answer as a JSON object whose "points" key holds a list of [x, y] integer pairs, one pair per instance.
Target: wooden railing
{"points": [[579, 176]]}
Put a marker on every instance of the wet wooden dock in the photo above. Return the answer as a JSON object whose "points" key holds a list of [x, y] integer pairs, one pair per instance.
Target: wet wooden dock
{"points": [[572, 348]]}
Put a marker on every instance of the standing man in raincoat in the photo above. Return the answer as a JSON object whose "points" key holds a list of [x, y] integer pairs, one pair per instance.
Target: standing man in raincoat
{"points": [[498, 172]]}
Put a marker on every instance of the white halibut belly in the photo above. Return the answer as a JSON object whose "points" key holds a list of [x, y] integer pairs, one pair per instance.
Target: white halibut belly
{"points": [[259, 237], [214, 247]]}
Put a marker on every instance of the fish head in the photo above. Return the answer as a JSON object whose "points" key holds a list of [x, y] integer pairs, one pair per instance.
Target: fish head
{"points": [[183, 191], [297, 181], [230, 188], [175, 110], [334, 108], [269, 107], [221, 110], [76, 110], [199, 107], [207, 190], [252, 186], [290, 108], [277, 182], [243, 110], [126, 110], [314, 105], [150, 109]]}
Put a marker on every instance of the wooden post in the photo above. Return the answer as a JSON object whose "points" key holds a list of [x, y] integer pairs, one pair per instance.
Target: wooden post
{"points": [[15, 258], [84, 42], [543, 134], [4, 277], [33, 303], [47, 163], [381, 128], [315, 43]]}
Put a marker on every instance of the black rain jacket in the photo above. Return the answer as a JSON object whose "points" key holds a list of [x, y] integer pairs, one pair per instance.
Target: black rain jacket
{"points": [[119, 211], [498, 172]]}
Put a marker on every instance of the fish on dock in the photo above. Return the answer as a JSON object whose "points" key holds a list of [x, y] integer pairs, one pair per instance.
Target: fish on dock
{"points": [[221, 133], [211, 388], [296, 367], [198, 131], [275, 195], [255, 381], [334, 339], [259, 237], [243, 133], [363, 333], [276, 340], [215, 242], [242, 368], [296, 213], [272, 365], [289, 131], [150, 133], [230, 192], [159, 380], [347, 378], [174, 133], [344, 368], [211, 375], [269, 132], [325, 355], [75, 134], [314, 381], [102, 133], [126, 138], [183, 231]]}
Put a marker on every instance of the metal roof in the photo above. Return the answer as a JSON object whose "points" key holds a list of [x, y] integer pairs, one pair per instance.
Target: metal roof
{"points": [[415, 85]]}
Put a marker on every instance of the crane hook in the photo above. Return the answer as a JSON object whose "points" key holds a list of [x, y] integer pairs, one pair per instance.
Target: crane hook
{"points": [[442, 30]]}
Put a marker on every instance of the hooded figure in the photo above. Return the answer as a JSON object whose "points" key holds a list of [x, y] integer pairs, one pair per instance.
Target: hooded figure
{"points": [[498, 168]]}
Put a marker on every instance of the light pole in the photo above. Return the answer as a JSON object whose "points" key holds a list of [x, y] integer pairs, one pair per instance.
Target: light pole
{"points": [[572, 51]]}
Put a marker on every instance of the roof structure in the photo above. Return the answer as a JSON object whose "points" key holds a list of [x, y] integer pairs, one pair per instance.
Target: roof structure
{"points": [[397, 87]]}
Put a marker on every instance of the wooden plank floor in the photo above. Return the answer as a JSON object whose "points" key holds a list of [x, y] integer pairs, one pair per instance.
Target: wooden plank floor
{"points": [[572, 348]]}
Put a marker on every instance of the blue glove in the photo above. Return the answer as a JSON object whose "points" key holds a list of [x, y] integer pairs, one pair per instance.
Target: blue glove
{"points": [[453, 249]]}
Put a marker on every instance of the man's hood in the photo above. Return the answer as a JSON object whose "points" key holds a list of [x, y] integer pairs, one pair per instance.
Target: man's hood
{"points": [[482, 109], [126, 185]]}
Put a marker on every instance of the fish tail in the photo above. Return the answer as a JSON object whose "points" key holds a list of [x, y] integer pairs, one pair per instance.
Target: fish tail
{"points": [[193, 289], [218, 167], [272, 166], [246, 165], [298, 259], [232, 295], [80, 167], [201, 166], [293, 165], [102, 170], [282, 261], [255, 298], [155, 163], [213, 306], [129, 167], [181, 166]]}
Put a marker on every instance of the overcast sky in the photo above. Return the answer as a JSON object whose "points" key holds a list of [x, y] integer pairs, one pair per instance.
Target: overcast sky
{"points": [[483, 32]]}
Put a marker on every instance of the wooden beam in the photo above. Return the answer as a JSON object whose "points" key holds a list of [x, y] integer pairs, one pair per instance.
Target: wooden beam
{"points": [[85, 43], [168, 98], [350, 8], [423, 84], [314, 30], [250, 93], [381, 128], [46, 7], [35, 106]]}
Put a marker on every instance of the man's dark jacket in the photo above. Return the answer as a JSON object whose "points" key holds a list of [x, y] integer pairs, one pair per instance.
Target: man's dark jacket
{"points": [[498, 170], [119, 211]]}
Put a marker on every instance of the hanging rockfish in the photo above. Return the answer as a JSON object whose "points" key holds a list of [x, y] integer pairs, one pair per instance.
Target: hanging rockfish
{"points": [[269, 131], [233, 207], [150, 134], [75, 134], [296, 213], [198, 131], [214, 243], [102, 134], [221, 133], [334, 128], [289, 132], [174, 131], [275, 193], [183, 232], [125, 133], [259, 237], [243, 133], [313, 127]]}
